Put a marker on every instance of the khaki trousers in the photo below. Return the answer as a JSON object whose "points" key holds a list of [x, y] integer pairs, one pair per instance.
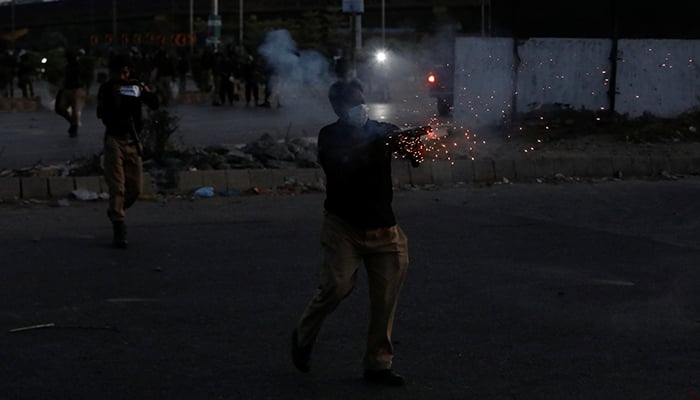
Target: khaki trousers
{"points": [[73, 99], [384, 253], [123, 172]]}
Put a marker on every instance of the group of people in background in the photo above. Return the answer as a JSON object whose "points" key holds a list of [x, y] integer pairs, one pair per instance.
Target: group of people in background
{"points": [[15, 68], [228, 74]]}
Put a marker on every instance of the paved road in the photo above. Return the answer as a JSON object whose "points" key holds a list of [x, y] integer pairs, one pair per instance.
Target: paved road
{"points": [[30, 137], [584, 291]]}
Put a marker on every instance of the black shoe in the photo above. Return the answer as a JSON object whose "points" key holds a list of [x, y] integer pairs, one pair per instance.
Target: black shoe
{"points": [[120, 241], [73, 131], [384, 377], [301, 356]]}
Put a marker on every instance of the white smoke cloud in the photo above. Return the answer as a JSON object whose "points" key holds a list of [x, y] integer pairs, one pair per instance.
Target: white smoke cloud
{"points": [[300, 78]]}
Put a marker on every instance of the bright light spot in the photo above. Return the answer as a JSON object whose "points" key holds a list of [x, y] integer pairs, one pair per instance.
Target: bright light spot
{"points": [[380, 56], [44, 60]]}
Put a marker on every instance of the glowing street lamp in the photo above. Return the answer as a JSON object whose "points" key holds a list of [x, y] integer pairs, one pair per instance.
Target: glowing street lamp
{"points": [[380, 56]]}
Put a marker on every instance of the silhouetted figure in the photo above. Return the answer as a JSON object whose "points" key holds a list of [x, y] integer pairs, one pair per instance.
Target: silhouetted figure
{"points": [[183, 67], [70, 99], [165, 75], [7, 73], [268, 73], [225, 69], [25, 74], [251, 78]]}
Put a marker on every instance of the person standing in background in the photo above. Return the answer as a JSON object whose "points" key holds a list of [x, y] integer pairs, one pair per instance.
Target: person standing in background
{"points": [[70, 99], [183, 67], [164, 70], [25, 74], [251, 77], [7, 73]]}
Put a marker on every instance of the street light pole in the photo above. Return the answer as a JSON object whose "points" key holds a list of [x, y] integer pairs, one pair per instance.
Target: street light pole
{"points": [[383, 24], [216, 27], [12, 29], [354, 8], [114, 21], [240, 22], [191, 39]]}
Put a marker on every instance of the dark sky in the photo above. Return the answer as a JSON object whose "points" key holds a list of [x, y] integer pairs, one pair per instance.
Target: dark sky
{"points": [[521, 18], [597, 18]]}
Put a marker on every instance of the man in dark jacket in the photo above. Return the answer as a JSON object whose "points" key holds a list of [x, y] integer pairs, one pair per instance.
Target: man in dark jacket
{"points": [[72, 94], [359, 227], [119, 106]]}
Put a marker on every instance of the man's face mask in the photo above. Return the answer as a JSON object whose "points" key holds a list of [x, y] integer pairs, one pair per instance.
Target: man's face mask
{"points": [[358, 115]]}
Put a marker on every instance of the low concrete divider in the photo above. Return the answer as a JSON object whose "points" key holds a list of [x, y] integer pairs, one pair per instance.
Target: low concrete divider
{"points": [[437, 173], [18, 104]]}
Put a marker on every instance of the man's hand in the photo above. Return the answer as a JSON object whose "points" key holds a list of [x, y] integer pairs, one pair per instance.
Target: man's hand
{"points": [[415, 132], [407, 143]]}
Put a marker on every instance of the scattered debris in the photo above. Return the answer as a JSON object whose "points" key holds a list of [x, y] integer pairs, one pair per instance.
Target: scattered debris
{"points": [[86, 195], [206, 191], [668, 176], [265, 152], [32, 327], [53, 325]]}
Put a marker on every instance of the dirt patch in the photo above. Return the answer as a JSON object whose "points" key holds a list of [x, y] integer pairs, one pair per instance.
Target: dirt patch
{"points": [[558, 131]]}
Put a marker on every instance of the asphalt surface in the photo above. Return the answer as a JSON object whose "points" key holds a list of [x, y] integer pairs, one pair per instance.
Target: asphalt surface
{"points": [[40, 137], [572, 291]]}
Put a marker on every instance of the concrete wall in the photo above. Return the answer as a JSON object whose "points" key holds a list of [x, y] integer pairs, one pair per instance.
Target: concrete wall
{"points": [[658, 76], [484, 80], [496, 77], [567, 71]]}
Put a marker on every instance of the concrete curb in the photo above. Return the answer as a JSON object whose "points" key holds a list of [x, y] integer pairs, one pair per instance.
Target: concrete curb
{"points": [[438, 173], [18, 104]]}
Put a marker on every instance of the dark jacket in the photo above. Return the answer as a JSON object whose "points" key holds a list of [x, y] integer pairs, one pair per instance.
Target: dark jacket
{"points": [[73, 75], [357, 165], [121, 114]]}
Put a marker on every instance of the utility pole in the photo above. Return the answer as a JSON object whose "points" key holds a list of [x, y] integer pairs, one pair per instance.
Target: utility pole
{"points": [[12, 28], [191, 38], [114, 21], [92, 15], [355, 8], [383, 24], [214, 25], [240, 23]]}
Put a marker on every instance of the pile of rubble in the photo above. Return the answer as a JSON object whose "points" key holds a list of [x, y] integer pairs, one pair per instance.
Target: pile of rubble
{"points": [[264, 153]]}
